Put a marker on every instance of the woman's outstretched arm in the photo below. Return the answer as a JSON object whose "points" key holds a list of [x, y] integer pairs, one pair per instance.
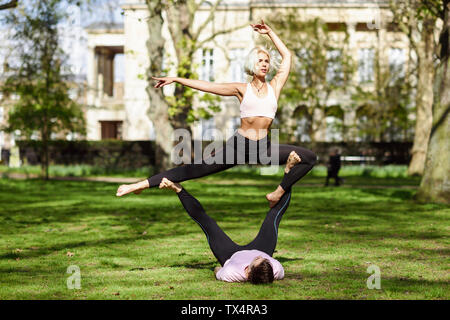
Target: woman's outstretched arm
{"points": [[283, 72], [221, 89]]}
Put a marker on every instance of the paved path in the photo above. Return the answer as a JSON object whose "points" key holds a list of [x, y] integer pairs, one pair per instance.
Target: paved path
{"points": [[21, 176]]}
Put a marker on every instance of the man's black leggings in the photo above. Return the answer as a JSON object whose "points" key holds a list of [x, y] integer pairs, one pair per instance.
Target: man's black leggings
{"points": [[221, 245], [241, 150]]}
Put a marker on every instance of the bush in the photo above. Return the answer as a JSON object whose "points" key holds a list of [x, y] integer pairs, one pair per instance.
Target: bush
{"points": [[109, 156]]}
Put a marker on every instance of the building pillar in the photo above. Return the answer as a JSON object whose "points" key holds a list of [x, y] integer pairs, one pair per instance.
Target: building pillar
{"points": [[319, 125], [92, 76], [353, 47]]}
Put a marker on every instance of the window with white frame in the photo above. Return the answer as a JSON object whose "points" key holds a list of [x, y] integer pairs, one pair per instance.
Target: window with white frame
{"points": [[208, 128], [334, 129], [301, 64], [235, 123], [119, 67], [237, 57], [207, 65], [366, 59], [335, 74], [397, 62], [301, 132]]}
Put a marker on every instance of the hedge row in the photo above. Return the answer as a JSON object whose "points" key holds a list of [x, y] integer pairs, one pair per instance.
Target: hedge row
{"points": [[137, 154]]}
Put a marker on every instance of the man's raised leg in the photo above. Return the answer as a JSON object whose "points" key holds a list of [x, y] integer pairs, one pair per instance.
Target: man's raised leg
{"points": [[221, 245]]}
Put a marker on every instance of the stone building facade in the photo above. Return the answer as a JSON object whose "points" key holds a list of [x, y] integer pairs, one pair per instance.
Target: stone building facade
{"points": [[118, 108]]}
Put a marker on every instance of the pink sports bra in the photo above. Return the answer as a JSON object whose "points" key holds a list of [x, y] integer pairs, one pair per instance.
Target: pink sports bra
{"points": [[253, 106]]}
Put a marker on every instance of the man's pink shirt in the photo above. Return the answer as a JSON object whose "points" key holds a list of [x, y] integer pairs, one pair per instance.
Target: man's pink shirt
{"points": [[234, 268]]}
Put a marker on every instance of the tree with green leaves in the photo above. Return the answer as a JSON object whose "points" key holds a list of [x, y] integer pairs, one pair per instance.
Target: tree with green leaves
{"points": [[39, 77], [8, 5], [382, 112], [322, 67], [415, 20], [435, 184], [172, 112]]}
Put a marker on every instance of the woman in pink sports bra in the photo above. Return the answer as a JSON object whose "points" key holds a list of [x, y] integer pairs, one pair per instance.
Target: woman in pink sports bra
{"points": [[250, 143]]}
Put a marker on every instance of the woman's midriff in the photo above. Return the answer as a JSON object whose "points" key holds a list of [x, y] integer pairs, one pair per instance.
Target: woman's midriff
{"points": [[255, 128]]}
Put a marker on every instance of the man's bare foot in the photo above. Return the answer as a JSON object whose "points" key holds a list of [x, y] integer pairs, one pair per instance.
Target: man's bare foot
{"points": [[275, 196], [136, 188], [293, 159], [167, 184]]}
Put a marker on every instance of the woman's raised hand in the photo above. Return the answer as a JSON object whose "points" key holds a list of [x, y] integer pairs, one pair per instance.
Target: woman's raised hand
{"points": [[261, 27], [163, 81]]}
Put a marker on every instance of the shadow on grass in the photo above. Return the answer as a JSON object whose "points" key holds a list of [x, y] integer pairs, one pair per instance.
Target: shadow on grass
{"points": [[196, 265], [397, 194], [358, 280], [68, 202]]}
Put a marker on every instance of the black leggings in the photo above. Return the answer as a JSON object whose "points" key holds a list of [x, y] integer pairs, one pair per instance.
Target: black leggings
{"points": [[221, 245], [241, 150]]}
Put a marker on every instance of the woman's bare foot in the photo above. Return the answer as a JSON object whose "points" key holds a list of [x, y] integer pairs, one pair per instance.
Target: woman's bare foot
{"points": [[293, 159], [167, 184], [275, 196], [136, 188]]}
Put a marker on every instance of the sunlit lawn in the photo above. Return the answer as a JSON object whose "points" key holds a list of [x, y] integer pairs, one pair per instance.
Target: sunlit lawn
{"points": [[146, 247]]}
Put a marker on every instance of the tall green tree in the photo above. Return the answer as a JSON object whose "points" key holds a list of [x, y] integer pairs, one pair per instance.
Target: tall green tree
{"points": [[8, 5], [435, 184], [322, 67], [38, 75], [172, 112], [382, 111], [419, 24]]}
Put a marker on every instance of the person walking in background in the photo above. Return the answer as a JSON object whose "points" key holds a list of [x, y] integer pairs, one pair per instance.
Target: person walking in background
{"points": [[333, 167]]}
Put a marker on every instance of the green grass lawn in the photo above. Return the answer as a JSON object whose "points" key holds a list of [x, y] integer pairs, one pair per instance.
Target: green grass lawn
{"points": [[146, 246]]}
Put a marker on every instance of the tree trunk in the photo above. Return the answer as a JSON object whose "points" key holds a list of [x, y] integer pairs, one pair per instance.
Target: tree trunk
{"points": [[180, 21], [424, 98], [435, 184], [44, 151], [159, 108]]}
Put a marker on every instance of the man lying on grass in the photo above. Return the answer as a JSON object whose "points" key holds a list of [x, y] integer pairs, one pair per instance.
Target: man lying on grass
{"points": [[252, 262]]}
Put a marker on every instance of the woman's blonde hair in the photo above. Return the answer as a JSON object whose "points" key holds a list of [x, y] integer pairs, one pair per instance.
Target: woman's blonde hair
{"points": [[252, 58]]}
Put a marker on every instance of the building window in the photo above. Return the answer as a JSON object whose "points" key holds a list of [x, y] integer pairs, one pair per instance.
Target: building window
{"points": [[2, 111], [397, 62], [237, 57], [301, 132], [208, 128], [119, 67], [335, 73], [235, 123], [302, 64], [207, 66], [111, 129], [366, 58], [334, 129], [109, 69]]}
